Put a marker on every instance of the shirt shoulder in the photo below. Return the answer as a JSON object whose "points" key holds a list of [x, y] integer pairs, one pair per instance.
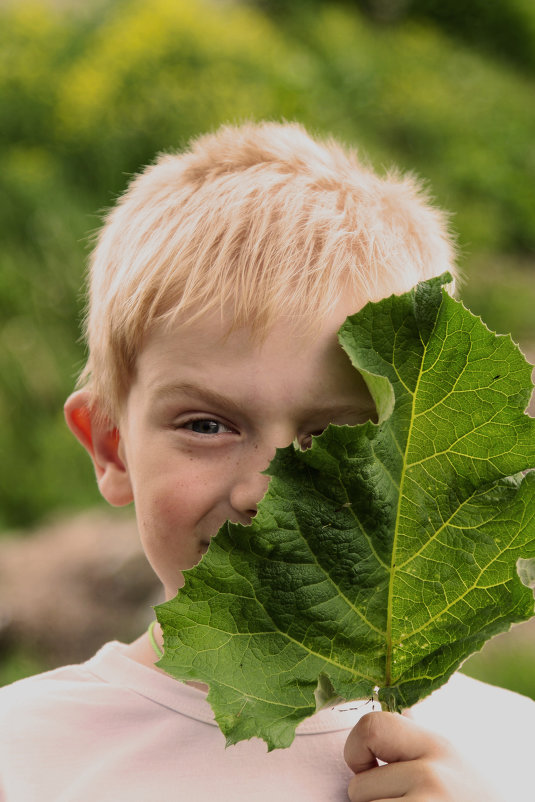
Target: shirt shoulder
{"points": [[39, 697], [57, 696]]}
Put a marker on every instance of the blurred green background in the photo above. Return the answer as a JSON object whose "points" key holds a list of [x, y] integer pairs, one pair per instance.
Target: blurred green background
{"points": [[90, 93]]}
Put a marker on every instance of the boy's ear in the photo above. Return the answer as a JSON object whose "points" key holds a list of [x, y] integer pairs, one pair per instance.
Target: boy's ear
{"points": [[101, 440]]}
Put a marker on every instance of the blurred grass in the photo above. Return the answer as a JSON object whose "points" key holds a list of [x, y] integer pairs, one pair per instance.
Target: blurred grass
{"points": [[17, 663], [507, 660], [90, 94]]}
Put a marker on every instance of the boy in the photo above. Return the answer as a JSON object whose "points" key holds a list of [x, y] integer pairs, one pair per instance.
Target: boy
{"points": [[217, 287]]}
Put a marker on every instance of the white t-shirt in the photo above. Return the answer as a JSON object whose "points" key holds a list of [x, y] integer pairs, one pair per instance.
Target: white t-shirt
{"points": [[112, 729]]}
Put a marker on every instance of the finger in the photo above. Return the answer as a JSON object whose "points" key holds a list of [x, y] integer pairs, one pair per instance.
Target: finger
{"points": [[392, 781], [389, 737]]}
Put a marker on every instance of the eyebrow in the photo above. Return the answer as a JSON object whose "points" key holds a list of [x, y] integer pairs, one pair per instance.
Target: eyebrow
{"points": [[209, 396], [212, 397]]}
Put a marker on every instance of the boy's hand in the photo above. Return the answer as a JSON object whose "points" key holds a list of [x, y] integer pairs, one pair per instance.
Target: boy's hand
{"points": [[422, 766]]}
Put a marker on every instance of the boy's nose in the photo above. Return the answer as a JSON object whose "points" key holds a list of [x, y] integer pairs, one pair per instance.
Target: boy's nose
{"points": [[249, 484], [247, 491]]}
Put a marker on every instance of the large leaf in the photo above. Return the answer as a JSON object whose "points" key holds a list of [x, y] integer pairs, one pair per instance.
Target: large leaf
{"points": [[385, 554]]}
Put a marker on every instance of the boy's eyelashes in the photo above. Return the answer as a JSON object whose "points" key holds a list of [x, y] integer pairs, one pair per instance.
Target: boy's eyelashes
{"points": [[213, 426], [206, 426]]}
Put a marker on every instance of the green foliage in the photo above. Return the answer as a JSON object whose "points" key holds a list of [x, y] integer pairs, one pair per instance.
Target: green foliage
{"points": [[506, 29], [408, 99], [17, 663], [158, 73], [385, 554], [507, 661]]}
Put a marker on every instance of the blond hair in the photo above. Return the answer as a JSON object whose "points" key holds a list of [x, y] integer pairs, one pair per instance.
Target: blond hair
{"points": [[259, 220]]}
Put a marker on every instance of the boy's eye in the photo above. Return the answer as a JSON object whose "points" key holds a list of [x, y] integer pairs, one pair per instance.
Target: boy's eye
{"points": [[206, 426]]}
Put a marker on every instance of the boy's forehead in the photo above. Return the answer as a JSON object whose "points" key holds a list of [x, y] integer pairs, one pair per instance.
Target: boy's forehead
{"points": [[213, 332], [206, 358]]}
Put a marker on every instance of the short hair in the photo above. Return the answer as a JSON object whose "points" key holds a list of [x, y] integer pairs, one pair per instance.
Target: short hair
{"points": [[260, 220]]}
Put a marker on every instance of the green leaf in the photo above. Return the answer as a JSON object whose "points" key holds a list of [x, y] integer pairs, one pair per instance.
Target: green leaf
{"points": [[385, 554]]}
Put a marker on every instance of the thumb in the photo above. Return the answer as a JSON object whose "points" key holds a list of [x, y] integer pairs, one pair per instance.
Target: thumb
{"points": [[388, 737]]}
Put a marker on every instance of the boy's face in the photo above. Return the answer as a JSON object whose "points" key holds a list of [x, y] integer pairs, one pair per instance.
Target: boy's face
{"points": [[204, 416]]}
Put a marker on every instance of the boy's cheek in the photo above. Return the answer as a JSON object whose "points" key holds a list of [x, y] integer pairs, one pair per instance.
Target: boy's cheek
{"points": [[168, 551], [171, 528]]}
